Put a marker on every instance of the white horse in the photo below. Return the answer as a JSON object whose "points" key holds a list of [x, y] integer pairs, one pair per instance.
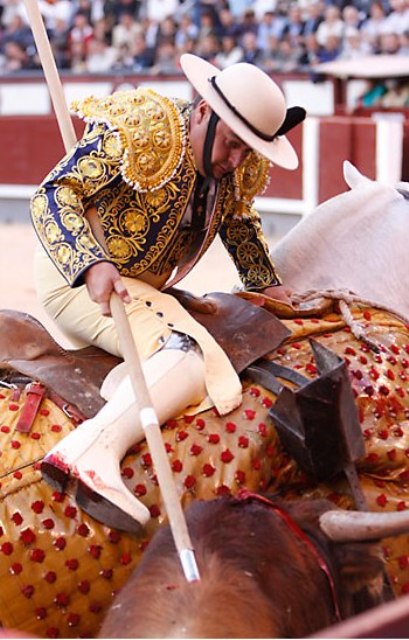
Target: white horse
{"points": [[357, 241]]}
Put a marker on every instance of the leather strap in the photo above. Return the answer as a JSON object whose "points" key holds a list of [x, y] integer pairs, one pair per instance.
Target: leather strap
{"points": [[35, 394], [70, 410], [208, 144]]}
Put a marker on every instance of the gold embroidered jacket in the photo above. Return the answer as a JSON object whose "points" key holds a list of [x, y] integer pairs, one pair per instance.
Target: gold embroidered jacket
{"points": [[135, 164]]}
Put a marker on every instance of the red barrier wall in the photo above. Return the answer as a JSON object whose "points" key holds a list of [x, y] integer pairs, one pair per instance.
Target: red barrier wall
{"points": [[31, 146]]}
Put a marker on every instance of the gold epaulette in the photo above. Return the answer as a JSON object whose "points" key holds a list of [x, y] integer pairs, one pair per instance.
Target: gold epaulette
{"points": [[151, 129], [251, 177]]}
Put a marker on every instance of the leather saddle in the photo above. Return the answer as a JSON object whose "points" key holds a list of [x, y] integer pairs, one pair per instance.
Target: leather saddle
{"points": [[246, 333]]}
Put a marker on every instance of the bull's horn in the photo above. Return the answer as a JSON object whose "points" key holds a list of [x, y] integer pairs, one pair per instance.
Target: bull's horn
{"points": [[346, 526]]}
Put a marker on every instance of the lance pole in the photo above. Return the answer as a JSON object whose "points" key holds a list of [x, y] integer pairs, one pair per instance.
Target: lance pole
{"points": [[147, 412]]}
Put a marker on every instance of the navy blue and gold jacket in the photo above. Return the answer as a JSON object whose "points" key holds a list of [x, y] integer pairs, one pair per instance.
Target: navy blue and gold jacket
{"points": [[135, 164]]}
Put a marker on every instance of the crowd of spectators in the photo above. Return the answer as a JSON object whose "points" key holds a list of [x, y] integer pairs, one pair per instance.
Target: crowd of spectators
{"points": [[148, 36]]}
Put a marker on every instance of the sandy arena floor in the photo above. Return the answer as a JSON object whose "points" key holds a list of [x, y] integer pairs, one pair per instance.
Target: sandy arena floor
{"points": [[215, 272]]}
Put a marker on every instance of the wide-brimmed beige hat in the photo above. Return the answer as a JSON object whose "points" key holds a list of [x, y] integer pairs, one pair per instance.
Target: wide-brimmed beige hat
{"points": [[248, 101]]}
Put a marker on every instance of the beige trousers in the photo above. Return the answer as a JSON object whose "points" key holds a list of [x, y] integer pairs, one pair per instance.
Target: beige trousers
{"points": [[152, 315]]}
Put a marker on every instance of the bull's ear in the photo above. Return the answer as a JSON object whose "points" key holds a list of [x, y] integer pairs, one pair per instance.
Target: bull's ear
{"points": [[361, 565], [294, 116]]}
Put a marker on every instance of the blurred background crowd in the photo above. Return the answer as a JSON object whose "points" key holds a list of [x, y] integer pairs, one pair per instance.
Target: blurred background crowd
{"points": [[148, 36]]}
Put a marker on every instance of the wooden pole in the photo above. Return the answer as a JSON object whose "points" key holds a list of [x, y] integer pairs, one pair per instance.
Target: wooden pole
{"points": [[147, 412], [54, 84]]}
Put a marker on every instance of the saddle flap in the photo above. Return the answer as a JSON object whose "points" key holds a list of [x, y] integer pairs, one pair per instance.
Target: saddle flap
{"points": [[245, 331], [27, 347]]}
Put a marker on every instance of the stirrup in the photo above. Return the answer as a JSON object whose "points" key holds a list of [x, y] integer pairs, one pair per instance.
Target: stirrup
{"points": [[57, 474]]}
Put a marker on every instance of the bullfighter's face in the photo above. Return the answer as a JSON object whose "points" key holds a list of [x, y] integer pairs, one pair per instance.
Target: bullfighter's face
{"points": [[228, 151]]}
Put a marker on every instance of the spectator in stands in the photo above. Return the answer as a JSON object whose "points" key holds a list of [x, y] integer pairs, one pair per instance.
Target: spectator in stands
{"points": [[261, 7], [271, 25], [389, 43], [100, 57], [101, 31], [404, 44], [247, 24], [186, 30], [364, 6], [167, 29], [239, 7], [313, 17], [79, 36], [353, 45], [207, 25], [288, 57], [158, 10], [189, 46], [143, 56], [351, 17], [228, 24], [331, 49], [208, 47], [271, 55], [207, 6], [124, 61], [12, 8], [374, 25], [166, 60], [16, 58], [230, 53], [311, 53], [59, 43], [332, 25], [125, 6], [398, 20], [251, 51], [293, 31], [126, 30], [19, 32], [397, 95], [84, 7], [54, 11]]}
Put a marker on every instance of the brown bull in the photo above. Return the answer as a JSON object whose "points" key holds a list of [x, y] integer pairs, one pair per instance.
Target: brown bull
{"points": [[265, 573]]}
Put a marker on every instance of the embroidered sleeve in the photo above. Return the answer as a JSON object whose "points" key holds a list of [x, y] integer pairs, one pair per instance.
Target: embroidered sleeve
{"points": [[241, 231], [59, 204]]}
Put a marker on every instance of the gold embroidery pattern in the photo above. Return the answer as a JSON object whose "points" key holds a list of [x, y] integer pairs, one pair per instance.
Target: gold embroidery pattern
{"points": [[243, 237], [59, 204], [182, 241], [152, 131], [140, 228], [251, 178]]}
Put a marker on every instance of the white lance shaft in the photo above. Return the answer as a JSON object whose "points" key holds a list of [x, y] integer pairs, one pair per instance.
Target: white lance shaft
{"points": [[148, 415]]}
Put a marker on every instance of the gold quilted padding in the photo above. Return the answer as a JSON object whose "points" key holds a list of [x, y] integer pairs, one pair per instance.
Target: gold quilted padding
{"points": [[59, 569]]}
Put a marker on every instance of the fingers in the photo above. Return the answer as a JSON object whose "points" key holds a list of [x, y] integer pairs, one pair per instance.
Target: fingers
{"points": [[105, 308], [122, 291]]}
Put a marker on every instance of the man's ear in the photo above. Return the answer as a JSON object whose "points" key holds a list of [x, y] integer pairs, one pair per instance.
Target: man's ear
{"points": [[202, 111]]}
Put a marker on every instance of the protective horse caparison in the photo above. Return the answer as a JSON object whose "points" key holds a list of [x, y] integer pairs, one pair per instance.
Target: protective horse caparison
{"points": [[59, 568]]}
